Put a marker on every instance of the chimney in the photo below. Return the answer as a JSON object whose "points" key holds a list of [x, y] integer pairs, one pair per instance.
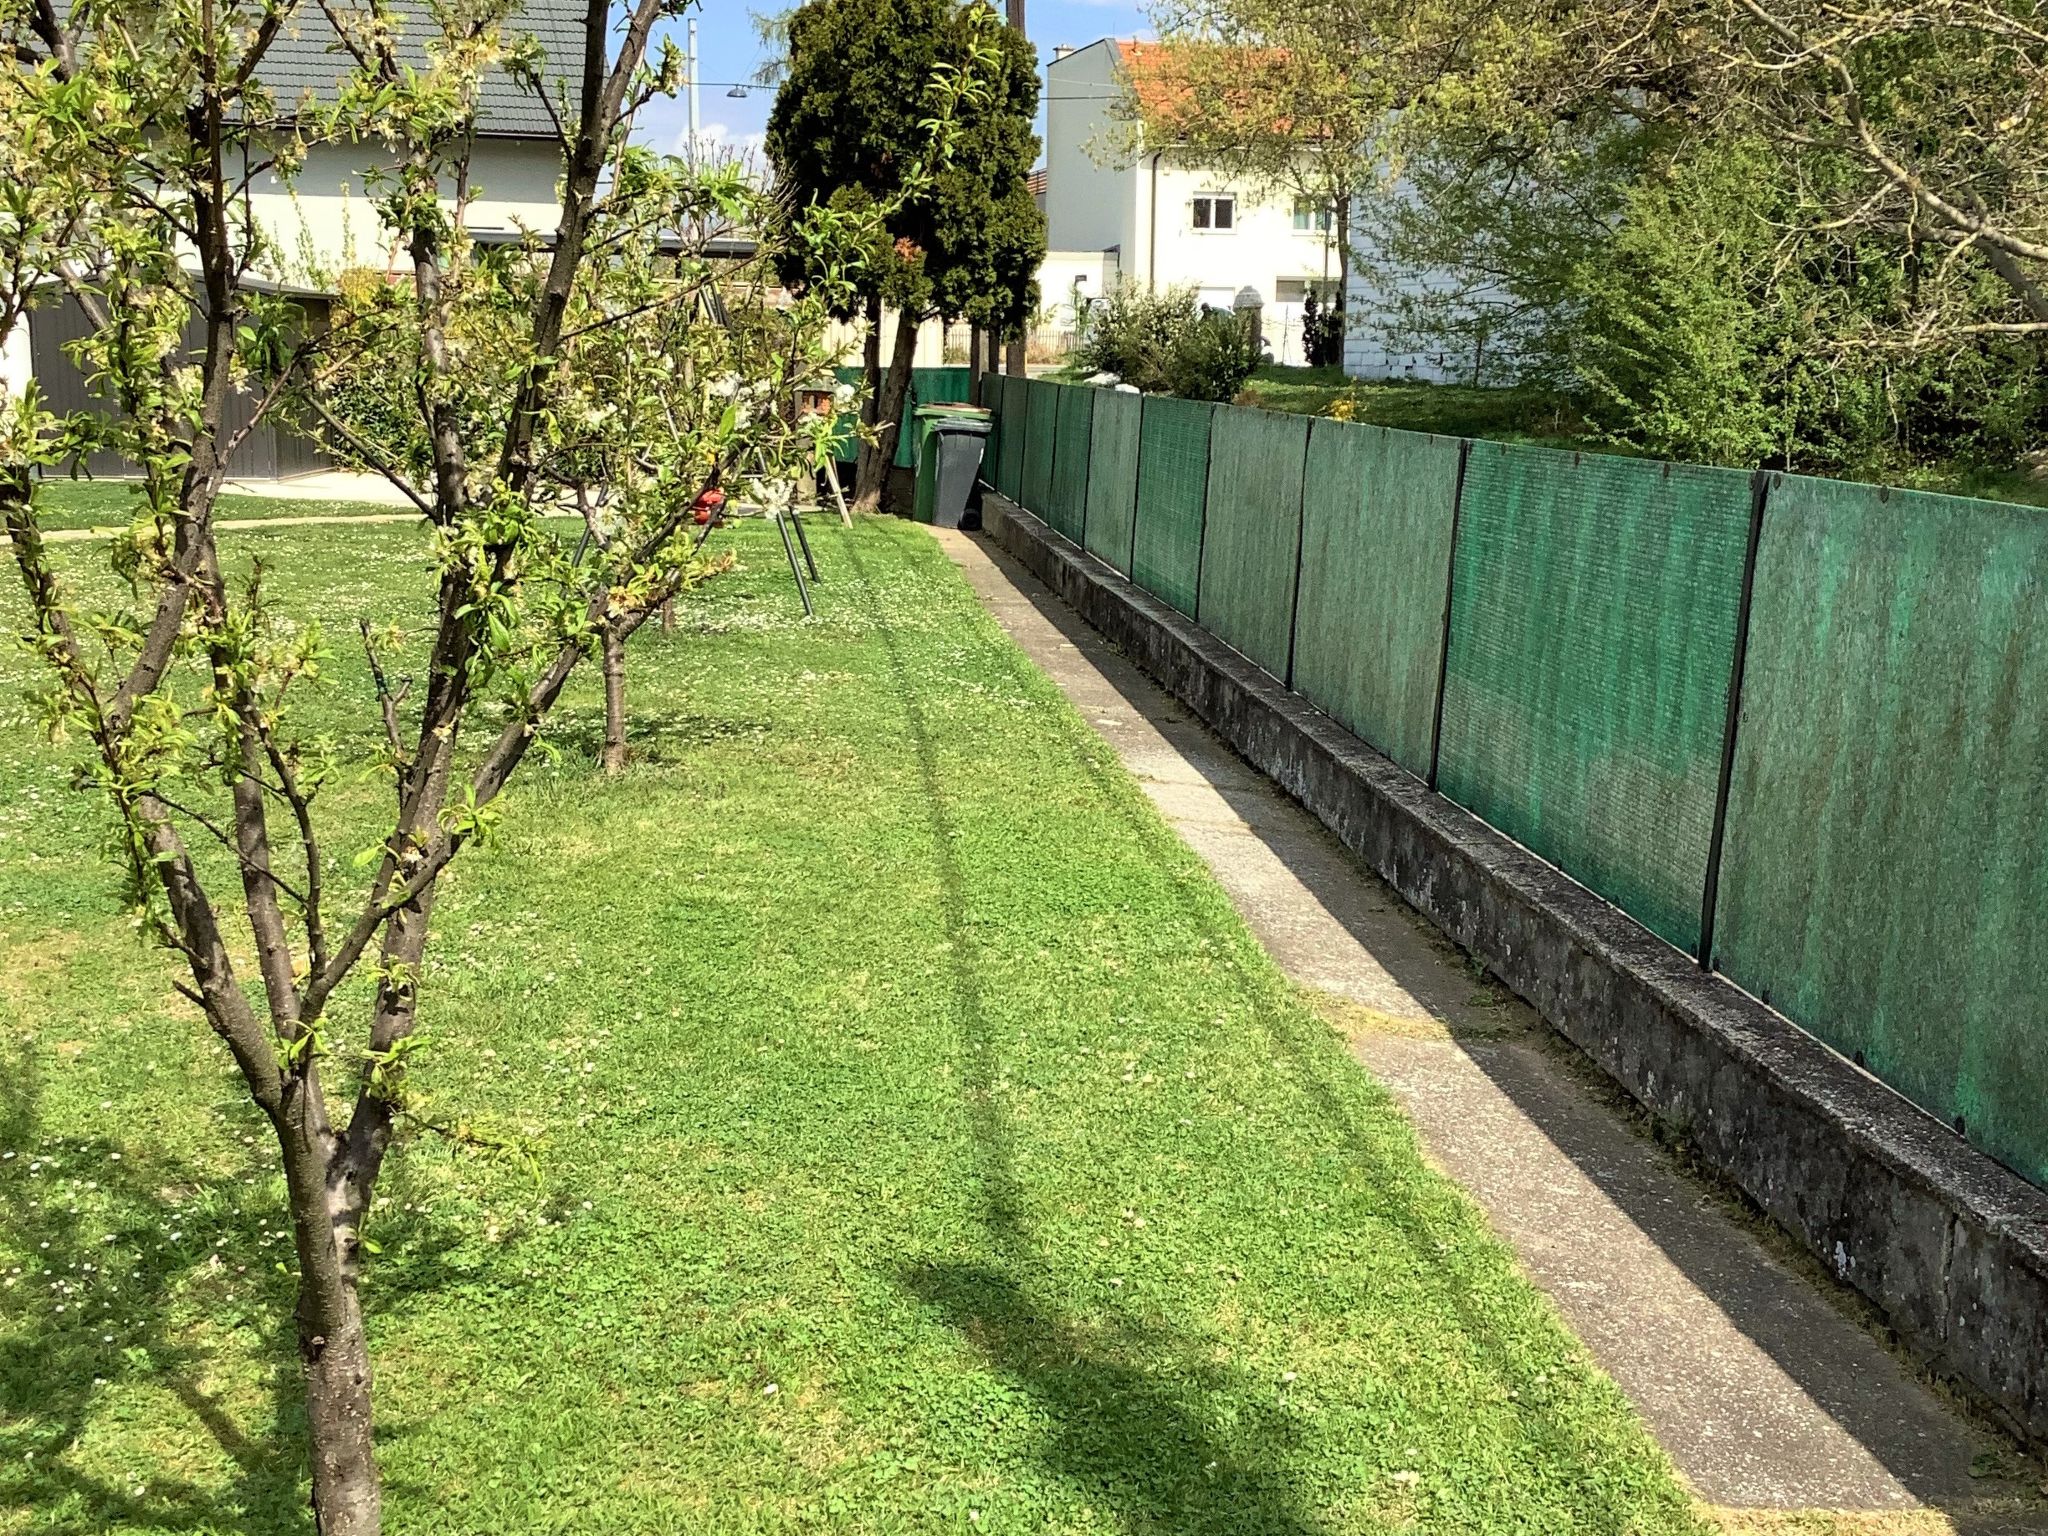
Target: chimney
{"points": [[1060, 51]]}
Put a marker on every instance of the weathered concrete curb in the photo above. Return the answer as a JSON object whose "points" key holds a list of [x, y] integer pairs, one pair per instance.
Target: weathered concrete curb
{"points": [[1950, 1247]]}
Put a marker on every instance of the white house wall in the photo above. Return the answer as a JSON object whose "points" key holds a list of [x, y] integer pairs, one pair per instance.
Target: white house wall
{"points": [[325, 220], [1101, 196], [1089, 206], [1261, 250], [1069, 281], [1367, 354]]}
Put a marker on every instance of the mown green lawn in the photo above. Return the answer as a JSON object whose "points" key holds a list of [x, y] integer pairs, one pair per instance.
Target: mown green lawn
{"points": [[1531, 416], [112, 504], [1454, 410], [921, 1144]]}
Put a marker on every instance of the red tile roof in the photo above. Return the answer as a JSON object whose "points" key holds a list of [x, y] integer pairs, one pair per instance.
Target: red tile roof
{"points": [[1164, 77]]}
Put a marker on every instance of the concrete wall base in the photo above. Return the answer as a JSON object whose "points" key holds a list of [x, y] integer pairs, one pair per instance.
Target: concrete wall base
{"points": [[1951, 1247]]}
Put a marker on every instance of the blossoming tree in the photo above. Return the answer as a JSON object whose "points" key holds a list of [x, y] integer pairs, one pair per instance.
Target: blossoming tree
{"points": [[135, 135]]}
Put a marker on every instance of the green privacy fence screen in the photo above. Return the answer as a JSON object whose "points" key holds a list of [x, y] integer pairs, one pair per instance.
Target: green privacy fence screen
{"points": [[1886, 876], [1067, 495], [1173, 483], [928, 386], [992, 445], [1553, 638], [1000, 430], [1041, 424], [1011, 409], [1113, 478], [1593, 616], [1252, 539], [1375, 557]]}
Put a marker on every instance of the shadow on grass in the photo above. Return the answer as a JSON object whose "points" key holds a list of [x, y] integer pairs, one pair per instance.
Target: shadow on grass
{"points": [[1438, 1234], [1125, 1432], [146, 1296], [1774, 1307], [653, 736]]}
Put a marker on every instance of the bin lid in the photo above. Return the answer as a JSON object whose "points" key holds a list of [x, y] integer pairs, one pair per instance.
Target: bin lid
{"points": [[937, 409]]}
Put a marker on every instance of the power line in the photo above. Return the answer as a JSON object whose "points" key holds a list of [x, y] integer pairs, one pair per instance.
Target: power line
{"points": [[755, 85]]}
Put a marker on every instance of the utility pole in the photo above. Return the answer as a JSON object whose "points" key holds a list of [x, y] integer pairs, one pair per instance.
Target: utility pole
{"points": [[693, 71], [1013, 362]]}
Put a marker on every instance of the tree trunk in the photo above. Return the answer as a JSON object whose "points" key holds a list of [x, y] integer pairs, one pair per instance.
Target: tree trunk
{"points": [[1013, 362], [974, 365], [614, 700], [334, 1352], [346, 1499], [1342, 326], [889, 406]]}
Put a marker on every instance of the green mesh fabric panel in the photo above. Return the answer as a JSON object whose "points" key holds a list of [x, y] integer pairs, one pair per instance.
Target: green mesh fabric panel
{"points": [[1113, 477], [1016, 406], [1041, 424], [1003, 427], [1375, 554], [1885, 874], [992, 448], [1593, 616], [1068, 508], [948, 384], [929, 386], [1173, 480], [1253, 538]]}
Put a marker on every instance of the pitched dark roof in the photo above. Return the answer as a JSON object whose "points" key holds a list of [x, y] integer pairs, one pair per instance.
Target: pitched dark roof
{"points": [[308, 57]]}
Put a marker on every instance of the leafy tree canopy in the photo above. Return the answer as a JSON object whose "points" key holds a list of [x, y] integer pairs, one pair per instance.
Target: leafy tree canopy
{"points": [[1737, 229], [852, 109]]}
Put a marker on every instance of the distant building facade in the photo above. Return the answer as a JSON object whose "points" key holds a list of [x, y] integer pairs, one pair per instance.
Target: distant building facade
{"points": [[324, 221], [1118, 209]]}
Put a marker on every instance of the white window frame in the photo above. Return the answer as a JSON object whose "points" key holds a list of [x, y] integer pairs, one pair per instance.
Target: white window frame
{"points": [[1311, 219], [1215, 201]]}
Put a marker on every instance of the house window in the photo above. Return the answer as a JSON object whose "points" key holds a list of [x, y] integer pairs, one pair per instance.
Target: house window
{"points": [[1215, 211], [1309, 216], [1295, 290]]}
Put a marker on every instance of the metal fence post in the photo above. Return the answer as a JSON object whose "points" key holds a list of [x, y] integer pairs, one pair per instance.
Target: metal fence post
{"points": [[1202, 535], [1443, 656], [1300, 540], [1137, 479], [1087, 467], [1052, 455], [1759, 496], [1020, 400]]}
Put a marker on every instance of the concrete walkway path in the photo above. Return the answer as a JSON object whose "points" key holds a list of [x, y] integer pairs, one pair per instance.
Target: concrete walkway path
{"points": [[1766, 1392], [328, 485], [325, 485]]}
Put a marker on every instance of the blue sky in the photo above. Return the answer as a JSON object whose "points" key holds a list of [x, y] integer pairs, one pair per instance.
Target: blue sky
{"points": [[732, 53]]}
